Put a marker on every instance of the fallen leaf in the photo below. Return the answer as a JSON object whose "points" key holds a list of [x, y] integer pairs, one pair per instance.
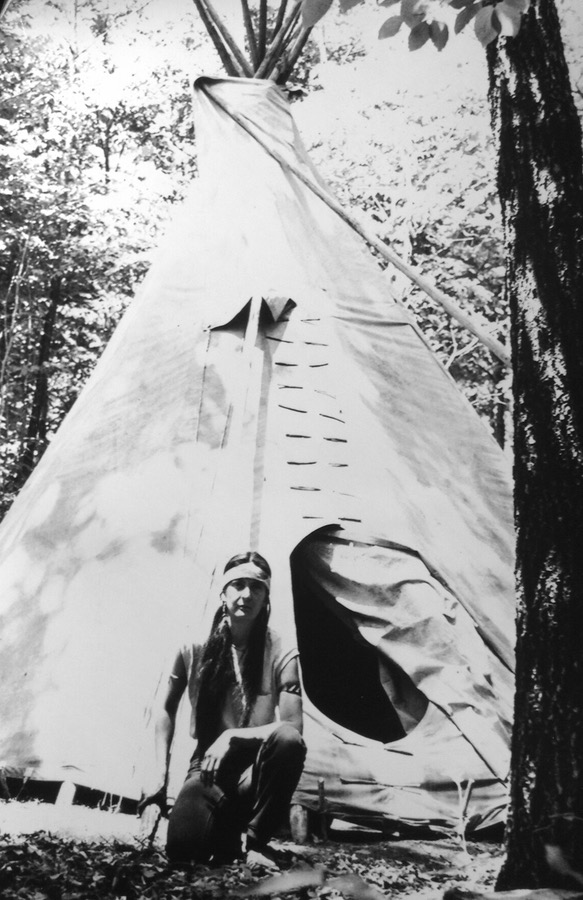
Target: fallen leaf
{"points": [[356, 887]]}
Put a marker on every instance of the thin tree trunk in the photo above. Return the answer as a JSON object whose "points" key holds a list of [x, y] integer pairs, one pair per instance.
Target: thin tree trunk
{"points": [[11, 287], [36, 431], [540, 183], [4, 4]]}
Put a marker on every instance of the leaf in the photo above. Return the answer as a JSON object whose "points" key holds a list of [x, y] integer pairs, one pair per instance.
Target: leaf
{"points": [[485, 26], [465, 16], [389, 2], [314, 10], [413, 11], [509, 19], [419, 36], [439, 33], [390, 27], [459, 4]]}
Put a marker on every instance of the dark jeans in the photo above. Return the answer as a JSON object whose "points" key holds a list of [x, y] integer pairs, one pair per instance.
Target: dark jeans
{"points": [[252, 793]]}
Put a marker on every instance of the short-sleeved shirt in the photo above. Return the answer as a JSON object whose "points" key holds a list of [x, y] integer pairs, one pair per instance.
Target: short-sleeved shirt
{"points": [[275, 659]]}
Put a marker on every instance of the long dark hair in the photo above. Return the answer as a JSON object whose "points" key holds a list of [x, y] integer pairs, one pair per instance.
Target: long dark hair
{"points": [[217, 670]]}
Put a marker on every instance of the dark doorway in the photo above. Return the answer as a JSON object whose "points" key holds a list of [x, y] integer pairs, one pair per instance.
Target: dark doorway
{"points": [[340, 670]]}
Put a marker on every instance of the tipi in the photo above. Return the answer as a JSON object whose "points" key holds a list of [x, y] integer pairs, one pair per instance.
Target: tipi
{"points": [[264, 390]]}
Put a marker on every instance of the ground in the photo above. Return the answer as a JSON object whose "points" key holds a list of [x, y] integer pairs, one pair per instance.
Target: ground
{"points": [[73, 853]]}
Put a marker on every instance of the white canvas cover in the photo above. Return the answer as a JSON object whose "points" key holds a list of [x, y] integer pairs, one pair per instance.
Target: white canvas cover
{"points": [[263, 387]]}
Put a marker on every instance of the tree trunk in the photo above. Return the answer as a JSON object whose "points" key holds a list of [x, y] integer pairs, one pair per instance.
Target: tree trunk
{"points": [[4, 4], [540, 183], [36, 431], [10, 286]]}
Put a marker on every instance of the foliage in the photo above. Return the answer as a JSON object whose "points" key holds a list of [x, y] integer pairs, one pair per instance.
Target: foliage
{"points": [[43, 867], [418, 166], [87, 153], [428, 19], [97, 137]]}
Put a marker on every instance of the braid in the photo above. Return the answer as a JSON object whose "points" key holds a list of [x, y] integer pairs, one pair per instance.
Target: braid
{"points": [[216, 678], [252, 670], [219, 669]]}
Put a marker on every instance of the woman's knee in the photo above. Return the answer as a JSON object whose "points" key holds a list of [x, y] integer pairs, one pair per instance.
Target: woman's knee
{"points": [[191, 824], [287, 741]]}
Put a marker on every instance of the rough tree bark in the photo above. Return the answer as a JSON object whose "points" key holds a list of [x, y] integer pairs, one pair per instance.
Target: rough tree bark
{"points": [[540, 182]]}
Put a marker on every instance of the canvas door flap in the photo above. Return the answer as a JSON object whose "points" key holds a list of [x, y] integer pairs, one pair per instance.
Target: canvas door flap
{"points": [[414, 785], [417, 625]]}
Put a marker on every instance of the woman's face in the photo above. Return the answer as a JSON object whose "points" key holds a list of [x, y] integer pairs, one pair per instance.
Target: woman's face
{"points": [[244, 599]]}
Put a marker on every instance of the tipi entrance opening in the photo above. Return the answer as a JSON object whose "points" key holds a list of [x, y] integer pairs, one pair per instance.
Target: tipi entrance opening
{"points": [[343, 674]]}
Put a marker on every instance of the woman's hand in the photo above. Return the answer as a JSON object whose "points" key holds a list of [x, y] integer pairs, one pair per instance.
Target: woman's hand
{"points": [[214, 756], [157, 796]]}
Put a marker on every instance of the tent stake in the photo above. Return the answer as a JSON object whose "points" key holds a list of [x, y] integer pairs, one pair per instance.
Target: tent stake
{"points": [[66, 794], [470, 322], [322, 807]]}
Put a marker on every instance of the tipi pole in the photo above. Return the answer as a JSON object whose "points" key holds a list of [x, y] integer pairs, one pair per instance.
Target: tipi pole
{"points": [[477, 328], [294, 54], [228, 63], [275, 47], [262, 37], [250, 33], [280, 16], [226, 36]]}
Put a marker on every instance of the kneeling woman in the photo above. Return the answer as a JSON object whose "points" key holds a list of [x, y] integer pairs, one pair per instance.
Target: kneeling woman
{"points": [[247, 764]]}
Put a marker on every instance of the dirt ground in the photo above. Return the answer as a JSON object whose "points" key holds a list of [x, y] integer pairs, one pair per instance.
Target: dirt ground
{"points": [[74, 853]]}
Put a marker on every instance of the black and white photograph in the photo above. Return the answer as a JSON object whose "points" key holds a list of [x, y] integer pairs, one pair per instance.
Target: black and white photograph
{"points": [[291, 449]]}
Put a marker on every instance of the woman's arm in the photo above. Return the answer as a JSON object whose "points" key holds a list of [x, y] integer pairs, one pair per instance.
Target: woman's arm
{"points": [[164, 732], [290, 710], [290, 696]]}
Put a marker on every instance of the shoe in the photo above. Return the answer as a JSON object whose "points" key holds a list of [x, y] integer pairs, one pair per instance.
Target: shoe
{"points": [[228, 855], [262, 857]]}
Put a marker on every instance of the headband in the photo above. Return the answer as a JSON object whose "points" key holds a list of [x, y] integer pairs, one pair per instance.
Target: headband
{"points": [[245, 570]]}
